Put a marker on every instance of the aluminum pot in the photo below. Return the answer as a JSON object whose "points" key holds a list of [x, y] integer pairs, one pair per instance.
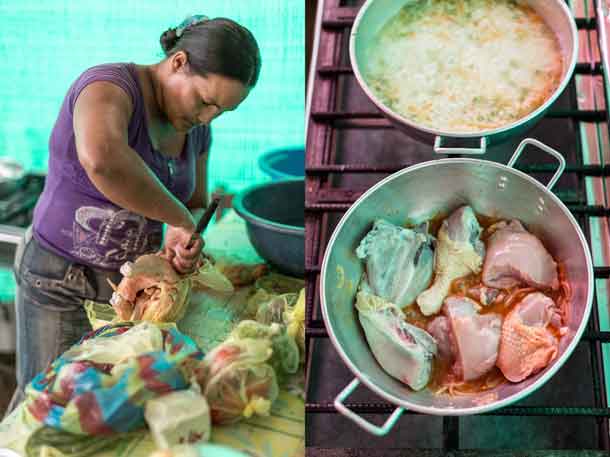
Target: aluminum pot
{"points": [[416, 194], [375, 13]]}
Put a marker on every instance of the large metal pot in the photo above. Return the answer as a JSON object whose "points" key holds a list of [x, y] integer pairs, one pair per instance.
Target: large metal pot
{"points": [[375, 13], [416, 194]]}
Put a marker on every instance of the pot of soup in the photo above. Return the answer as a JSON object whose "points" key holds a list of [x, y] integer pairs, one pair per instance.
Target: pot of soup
{"points": [[463, 72], [455, 287]]}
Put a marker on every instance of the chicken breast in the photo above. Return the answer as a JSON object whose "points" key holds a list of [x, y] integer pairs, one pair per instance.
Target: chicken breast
{"points": [[440, 329], [527, 344], [516, 257], [477, 337]]}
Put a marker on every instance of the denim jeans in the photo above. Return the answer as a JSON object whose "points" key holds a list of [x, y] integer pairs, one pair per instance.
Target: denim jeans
{"points": [[49, 302]]}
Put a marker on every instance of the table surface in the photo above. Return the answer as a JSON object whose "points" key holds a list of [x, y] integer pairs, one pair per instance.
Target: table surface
{"points": [[208, 320]]}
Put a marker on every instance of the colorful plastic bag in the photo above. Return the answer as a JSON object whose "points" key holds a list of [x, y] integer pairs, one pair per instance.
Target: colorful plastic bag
{"points": [[100, 385]]}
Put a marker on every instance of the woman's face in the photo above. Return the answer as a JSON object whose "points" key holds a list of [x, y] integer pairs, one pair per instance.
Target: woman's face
{"points": [[191, 99]]}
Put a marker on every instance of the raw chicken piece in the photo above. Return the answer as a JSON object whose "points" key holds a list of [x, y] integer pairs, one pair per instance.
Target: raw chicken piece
{"points": [[486, 295], [403, 350], [399, 261], [477, 337], [527, 345], [459, 253], [152, 291], [440, 329], [146, 271], [515, 257]]}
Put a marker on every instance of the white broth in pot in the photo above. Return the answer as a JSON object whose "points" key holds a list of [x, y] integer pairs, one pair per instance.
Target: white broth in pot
{"points": [[464, 65]]}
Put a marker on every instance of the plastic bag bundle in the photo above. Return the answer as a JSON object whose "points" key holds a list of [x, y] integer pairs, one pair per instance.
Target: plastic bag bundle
{"points": [[240, 391], [236, 380], [272, 310], [179, 418], [101, 384], [294, 317], [285, 352]]}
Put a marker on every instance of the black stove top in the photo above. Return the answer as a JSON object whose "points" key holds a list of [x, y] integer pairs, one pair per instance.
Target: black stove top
{"points": [[568, 412]]}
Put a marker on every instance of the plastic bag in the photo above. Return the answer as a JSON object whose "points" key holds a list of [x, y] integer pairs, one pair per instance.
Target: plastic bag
{"points": [[241, 390], [181, 417], [99, 387], [403, 350], [294, 317], [237, 381], [254, 302], [209, 277], [272, 311], [285, 352]]}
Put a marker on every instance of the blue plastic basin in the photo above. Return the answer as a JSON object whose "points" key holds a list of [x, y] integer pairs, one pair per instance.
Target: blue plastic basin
{"points": [[285, 163]]}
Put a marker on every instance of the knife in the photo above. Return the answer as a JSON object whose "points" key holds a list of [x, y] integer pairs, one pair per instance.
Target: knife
{"points": [[205, 220]]}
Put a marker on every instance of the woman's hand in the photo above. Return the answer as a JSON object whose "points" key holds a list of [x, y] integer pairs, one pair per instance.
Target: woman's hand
{"points": [[183, 259]]}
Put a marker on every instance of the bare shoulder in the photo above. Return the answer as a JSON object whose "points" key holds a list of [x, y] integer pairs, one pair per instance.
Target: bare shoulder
{"points": [[104, 96]]}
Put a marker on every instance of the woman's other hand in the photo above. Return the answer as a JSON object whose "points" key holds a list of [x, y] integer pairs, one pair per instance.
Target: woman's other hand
{"points": [[184, 259]]}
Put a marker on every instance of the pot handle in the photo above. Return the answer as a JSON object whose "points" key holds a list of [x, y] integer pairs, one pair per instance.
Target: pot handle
{"points": [[360, 421], [544, 147], [441, 150]]}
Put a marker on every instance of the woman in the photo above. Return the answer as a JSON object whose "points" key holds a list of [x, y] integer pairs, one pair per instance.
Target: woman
{"points": [[128, 153]]}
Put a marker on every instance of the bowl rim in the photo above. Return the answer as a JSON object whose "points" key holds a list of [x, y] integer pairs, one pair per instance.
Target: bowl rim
{"points": [[251, 218], [458, 411], [264, 165]]}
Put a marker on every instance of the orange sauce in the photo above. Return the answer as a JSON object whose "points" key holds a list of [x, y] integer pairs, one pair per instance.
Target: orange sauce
{"points": [[443, 378]]}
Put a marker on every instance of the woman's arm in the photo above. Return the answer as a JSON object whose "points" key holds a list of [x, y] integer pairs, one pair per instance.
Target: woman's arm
{"points": [[199, 199], [101, 119]]}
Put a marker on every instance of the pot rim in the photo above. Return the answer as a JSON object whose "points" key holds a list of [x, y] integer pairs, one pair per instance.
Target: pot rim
{"points": [[557, 364], [251, 218], [389, 113]]}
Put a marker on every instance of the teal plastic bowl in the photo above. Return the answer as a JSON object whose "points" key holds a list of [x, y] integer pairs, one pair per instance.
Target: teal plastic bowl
{"points": [[275, 220], [285, 163]]}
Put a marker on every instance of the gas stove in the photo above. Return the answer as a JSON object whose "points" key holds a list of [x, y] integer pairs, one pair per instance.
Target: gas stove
{"points": [[350, 147]]}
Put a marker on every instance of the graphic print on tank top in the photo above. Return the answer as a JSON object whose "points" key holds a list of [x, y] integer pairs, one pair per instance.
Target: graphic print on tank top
{"points": [[105, 236]]}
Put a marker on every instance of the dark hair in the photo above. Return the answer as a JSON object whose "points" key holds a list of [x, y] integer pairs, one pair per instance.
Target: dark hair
{"points": [[219, 46]]}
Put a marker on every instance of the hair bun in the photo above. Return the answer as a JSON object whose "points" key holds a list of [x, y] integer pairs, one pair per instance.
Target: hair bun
{"points": [[168, 40]]}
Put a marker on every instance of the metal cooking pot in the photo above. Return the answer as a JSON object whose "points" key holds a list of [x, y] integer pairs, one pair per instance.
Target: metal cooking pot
{"points": [[416, 194], [375, 13]]}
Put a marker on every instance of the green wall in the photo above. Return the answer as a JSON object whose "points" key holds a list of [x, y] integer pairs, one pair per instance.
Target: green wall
{"points": [[45, 45]]}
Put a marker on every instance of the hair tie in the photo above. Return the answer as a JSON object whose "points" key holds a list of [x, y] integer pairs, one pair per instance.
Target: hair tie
{"points": [[191, 20]]}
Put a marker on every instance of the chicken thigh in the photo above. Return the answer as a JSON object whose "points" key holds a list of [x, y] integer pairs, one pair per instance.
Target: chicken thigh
{"points": [[527, 344], [516, 257]]}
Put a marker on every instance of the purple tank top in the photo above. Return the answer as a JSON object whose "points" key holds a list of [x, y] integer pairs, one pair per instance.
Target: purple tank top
{"points": [[72, 218]]}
